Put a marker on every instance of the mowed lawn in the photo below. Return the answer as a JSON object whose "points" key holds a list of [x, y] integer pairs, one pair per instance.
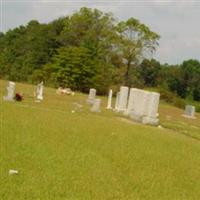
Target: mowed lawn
{"points": [[66, 152]]}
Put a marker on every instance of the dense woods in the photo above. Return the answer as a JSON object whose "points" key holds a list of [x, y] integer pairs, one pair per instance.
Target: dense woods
{"points": [[91, 49]]}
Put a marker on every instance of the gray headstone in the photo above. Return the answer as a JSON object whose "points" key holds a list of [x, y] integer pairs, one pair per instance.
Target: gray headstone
{"points": [[131, 100], [11, 91], [139, 106], [109, 105], [189, 111], [123, 98], [117, 101], [91, 96], [151, 109], [96, 106]]}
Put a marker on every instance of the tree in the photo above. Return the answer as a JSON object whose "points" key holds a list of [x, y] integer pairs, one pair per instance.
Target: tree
{"points": [[149, 71], [135, 41], [74, 67], [191, 76]]}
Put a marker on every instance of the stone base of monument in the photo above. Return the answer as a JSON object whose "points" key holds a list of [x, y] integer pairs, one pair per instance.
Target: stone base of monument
{"points": [[188, 116], [96, 106], [144, 119], [120, 110], [90, 101], [137, 118], [126, 112], [150, 121], [109, 108], [8, 99]]}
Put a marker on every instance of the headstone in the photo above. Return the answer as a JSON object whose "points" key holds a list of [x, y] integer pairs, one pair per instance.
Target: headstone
{"points": [[109, 105], [39, 91], [117, 101], [96, 105], [144, 108], [11, 91], [91, 96], [139, 106], [151, 109], [131, 101], [123, 98], [189, 112]]}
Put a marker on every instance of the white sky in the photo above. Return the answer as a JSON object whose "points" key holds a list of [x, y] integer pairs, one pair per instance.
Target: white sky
{"points": [[176, 21]]}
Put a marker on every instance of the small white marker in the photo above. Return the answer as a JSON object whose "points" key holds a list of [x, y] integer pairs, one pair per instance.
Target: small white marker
{"points": [[12, 171]]}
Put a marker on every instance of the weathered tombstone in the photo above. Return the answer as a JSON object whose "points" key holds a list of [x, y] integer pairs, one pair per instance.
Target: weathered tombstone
{"points": [[91, 96], [138, 109], [11, 91], [144, 107], [117, 101], [96, 105], [123, 97], [109, 105], [151, 109], [39, 91], [131, 101], [189, 112]]}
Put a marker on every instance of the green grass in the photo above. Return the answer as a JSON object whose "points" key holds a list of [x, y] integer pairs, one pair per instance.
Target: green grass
{"points": [[82, 155]]}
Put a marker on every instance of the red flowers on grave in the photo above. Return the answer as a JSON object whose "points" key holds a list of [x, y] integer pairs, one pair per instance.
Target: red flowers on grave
{"points": [[18, 97]]}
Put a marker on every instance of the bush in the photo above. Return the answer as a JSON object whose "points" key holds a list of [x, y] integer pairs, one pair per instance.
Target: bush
{"points": [[166, 96], [171, 98], [196, 94], [180, 103]]}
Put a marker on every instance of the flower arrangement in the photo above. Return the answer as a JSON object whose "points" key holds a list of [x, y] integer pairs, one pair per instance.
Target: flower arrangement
{"points": [[18, 97]]}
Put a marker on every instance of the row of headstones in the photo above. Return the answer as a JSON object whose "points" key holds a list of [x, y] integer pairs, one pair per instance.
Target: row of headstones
{"points": [[11, 91], [138, 104]]}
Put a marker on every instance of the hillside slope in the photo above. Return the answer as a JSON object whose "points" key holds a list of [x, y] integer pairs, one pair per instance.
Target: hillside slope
{"points": [[62, 154]]}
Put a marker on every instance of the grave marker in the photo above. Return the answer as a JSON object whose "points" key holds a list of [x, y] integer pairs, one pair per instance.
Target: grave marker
{"points": [[91, 96], [109, 105], [189, 112], [11, 91], [39, 91], [96, 106]]}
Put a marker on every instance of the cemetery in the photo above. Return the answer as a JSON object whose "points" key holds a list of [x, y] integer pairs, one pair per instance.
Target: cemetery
{"points": [[99, 104], [80, 144]]}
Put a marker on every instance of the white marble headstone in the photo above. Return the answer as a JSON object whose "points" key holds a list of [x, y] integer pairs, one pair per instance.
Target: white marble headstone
{"points": [[109, 105], [151, 110], [91, 96], [144, 107], [39, 91], [117, 101], [96, 106], [11, 91]]}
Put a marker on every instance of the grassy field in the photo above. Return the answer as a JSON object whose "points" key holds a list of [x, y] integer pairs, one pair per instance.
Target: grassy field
{"points": [[81, 155]]}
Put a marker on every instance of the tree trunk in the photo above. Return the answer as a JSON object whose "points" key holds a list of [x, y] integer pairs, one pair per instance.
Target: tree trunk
{"points": [[126, 77]]}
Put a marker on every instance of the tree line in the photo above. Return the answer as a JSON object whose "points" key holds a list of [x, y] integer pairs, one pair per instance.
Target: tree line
{"points": [[91, 48]]}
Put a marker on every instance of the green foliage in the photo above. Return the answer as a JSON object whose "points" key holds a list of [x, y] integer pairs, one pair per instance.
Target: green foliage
{"points": [[170, 98], [91, 49], [74, 68], [149, 71], [135, 41]]}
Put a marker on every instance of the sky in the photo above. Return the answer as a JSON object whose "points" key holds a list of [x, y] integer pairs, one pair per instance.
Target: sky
{"points": [[176, 21]]}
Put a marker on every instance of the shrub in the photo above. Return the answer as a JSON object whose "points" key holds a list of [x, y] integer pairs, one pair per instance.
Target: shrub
{"points": [[166, 95]]}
